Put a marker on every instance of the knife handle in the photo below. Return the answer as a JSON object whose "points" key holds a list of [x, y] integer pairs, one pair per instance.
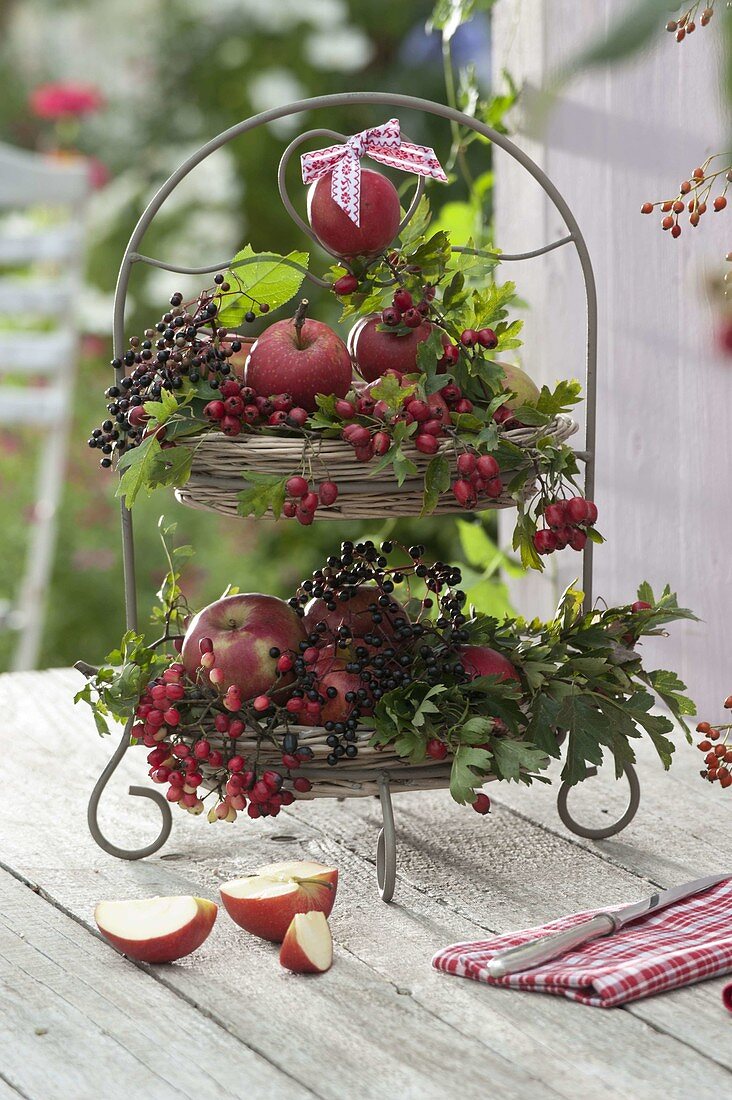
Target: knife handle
{"points": [[528, 955]]}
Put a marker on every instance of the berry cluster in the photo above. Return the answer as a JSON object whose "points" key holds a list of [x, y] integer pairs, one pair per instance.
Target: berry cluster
{"points": [[686, 23], [240, 407], [185, 343], [694, 196], [479, 475], [303, 499], [718, 753], [566, 523], [370, 434], [403, 310]]}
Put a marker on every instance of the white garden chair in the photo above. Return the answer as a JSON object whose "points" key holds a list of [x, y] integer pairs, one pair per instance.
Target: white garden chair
{"points": [[42, 205]]}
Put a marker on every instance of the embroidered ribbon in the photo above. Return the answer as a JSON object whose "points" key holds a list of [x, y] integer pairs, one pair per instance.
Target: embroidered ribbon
{"points": [[381, 143]]}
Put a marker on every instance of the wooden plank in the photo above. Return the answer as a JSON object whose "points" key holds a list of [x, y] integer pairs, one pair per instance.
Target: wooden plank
{"points": [[76, 1016], [443, 896]]}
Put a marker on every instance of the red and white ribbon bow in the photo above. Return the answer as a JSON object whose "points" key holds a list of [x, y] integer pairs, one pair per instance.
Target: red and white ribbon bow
{"points": [[382, 143]]}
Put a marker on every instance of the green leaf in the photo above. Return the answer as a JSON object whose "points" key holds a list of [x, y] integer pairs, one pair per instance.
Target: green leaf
{"points": [[436, 482], [392, 390], [469, 768], [561, 399], [163, 409], [258, 278], [403, 467], [671, 688], [542, 728], [512, 758], [587, 728], [171, 467], [137, 465], [266, 491]]}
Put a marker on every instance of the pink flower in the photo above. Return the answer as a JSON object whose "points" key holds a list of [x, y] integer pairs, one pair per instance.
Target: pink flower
{"points": [[65, 100]]}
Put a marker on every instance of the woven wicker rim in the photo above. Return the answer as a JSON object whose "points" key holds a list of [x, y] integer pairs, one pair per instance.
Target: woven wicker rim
{"points": [[220, 465]]}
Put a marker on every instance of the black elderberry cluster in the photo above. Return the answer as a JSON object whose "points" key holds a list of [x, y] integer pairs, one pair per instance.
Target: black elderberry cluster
{"points": [[392, 649], [185, 342]]}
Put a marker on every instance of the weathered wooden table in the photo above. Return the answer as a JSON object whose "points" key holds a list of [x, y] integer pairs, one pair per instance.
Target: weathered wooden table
{"points": [[79, 1021]]}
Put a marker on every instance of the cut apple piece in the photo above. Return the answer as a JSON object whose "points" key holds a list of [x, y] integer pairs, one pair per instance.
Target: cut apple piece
{"points": [[156, 930], [307, 947], [266, 902]]}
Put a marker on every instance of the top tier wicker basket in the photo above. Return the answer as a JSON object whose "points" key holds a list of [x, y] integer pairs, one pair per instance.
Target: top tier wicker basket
{"points": [[220, 467]]}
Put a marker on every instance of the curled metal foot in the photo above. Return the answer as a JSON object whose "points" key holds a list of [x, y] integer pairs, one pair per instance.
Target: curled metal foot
{"points": [[386, 844], [141, 792], [608, 830]]}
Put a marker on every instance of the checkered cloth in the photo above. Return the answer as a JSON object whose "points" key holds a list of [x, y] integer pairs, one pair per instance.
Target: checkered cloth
{"points": [[685, 943]]}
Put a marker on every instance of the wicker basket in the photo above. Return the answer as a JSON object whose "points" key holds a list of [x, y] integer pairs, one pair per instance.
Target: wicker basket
{"points": [[349, 778], [220, 466]]}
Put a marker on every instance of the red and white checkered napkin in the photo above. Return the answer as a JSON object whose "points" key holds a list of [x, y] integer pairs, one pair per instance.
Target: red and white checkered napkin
{"points": [[685, 943]]}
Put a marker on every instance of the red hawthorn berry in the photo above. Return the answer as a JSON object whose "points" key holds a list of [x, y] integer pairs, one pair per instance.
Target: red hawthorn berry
{"points": [[545, 542], [344, 409], [464, 493], [432, 427], [251, 414], [391, 317], [234, 406], [230, 425], [381, 443], [297, 417], [347, 284], [577, 539], [494, 487], [555, 514], [412, 318], [436, 749], [482, 804], [487, 467], [420, 410], [487, 338], [215, 410], [647, 208], [427, 444], [463, 405], [328, 493], [402, 300], [261, 702], [466, 463], [591, 512], [296, 486], [720, 202], [302, 785], [289, 508], [727, 704], [450, 355], [640, 605], [365, 453], [703, 746], [469, 338]]}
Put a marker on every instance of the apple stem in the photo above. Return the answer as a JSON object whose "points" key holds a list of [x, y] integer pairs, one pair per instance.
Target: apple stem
{"points": [[300, 320]]}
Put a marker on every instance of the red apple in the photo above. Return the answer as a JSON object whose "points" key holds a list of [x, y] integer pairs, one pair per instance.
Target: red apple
{"points": [[265, 902], [379, 218], [330, 669], [302, 359], [375, 352], [308, 946], [355, 614], [481, 660], [156, 930], [243, 629]]}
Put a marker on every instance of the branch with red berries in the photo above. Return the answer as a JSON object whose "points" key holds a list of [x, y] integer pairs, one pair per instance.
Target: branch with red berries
{"points": [[716, 744], [686, 23], [695, 195]]}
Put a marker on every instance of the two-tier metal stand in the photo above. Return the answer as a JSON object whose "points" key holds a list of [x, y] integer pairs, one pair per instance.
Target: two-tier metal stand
{"points": [[386, 849]]}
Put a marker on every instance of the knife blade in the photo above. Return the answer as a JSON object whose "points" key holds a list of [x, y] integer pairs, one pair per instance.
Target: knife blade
{"points": [[540, 950]]}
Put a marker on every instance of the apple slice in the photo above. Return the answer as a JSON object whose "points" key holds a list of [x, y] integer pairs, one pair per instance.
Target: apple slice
{"points": [[156, 930], [307, 947], [266, 902]]}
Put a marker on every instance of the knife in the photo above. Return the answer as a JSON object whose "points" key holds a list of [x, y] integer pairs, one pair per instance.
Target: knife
{"points": [[528, 955]]}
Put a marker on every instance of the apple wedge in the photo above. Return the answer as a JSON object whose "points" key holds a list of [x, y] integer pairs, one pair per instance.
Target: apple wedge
{"points": [[156, 930], [266, 902], [307, 947]]}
